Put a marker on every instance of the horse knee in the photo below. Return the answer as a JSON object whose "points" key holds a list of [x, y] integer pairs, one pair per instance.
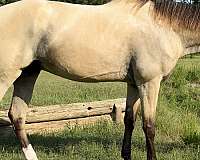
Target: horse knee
{"points": [[149, 129]]}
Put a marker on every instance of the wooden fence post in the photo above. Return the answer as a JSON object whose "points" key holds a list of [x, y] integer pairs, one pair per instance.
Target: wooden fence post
{"points": [[117, 114]]}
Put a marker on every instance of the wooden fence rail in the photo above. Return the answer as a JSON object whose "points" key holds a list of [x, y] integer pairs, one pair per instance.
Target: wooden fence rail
{"points": [[56, 117]]}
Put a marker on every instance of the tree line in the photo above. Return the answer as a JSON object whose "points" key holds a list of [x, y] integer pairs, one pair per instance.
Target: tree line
{"points": [[95, 2], [91, 2]]}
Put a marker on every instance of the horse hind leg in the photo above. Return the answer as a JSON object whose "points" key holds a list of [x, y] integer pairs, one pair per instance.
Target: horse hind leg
{"points": [[132, 106], [23, 89]]}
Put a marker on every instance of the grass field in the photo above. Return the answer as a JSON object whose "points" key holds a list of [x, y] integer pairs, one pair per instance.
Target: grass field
{"points": [[178, 120]]}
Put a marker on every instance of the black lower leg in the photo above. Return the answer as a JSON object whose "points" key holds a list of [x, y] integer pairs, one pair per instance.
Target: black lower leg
{"points": [[129, 126], [149, 130]]}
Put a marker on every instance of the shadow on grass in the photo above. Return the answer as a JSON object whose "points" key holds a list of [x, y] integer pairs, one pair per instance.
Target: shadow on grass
{"points": [[59, 143], [55, 143], [192, 139]]}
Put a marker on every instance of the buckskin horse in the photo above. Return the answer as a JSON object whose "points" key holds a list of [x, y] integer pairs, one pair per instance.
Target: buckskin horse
{"points": [[133, 41]]}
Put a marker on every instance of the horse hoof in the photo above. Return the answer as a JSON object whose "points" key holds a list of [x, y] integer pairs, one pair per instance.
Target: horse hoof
{"points": [[126, 156]]}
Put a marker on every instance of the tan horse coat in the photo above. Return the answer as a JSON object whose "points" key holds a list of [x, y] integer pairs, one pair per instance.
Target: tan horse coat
{"points": [[82, 42], [118, 41]]}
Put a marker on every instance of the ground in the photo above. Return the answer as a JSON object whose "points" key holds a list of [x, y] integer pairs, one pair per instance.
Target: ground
{"points": [[178, 120]]}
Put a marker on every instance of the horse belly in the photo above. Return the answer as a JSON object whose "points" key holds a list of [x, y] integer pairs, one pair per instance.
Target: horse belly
{"points": [[87, 67]]}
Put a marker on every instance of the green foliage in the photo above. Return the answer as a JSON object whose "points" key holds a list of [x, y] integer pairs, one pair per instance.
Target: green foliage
{"points": [[195, 1], [182, 89], [3, 2], [94, 2]]}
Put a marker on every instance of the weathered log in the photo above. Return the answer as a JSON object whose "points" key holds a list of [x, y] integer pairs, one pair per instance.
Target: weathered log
{"points": [[61, 115], [62, 124], [68, 111]]}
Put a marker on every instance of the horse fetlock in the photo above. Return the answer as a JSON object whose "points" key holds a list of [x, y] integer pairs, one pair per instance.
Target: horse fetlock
{"points": [[150, 157], [126, 158]]}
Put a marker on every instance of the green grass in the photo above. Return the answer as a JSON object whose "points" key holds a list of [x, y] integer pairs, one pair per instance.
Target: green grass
{"points": [[178, 120]]}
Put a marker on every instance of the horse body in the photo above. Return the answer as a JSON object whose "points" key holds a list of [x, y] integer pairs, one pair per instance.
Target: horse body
{"points": [[79, 55], [60, 35], [118, 41], [90, 37]]}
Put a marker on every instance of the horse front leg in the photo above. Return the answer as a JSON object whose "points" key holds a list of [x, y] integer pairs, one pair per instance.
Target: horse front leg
{"points": [[23, 88], [149, 95], [132, 105]]}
